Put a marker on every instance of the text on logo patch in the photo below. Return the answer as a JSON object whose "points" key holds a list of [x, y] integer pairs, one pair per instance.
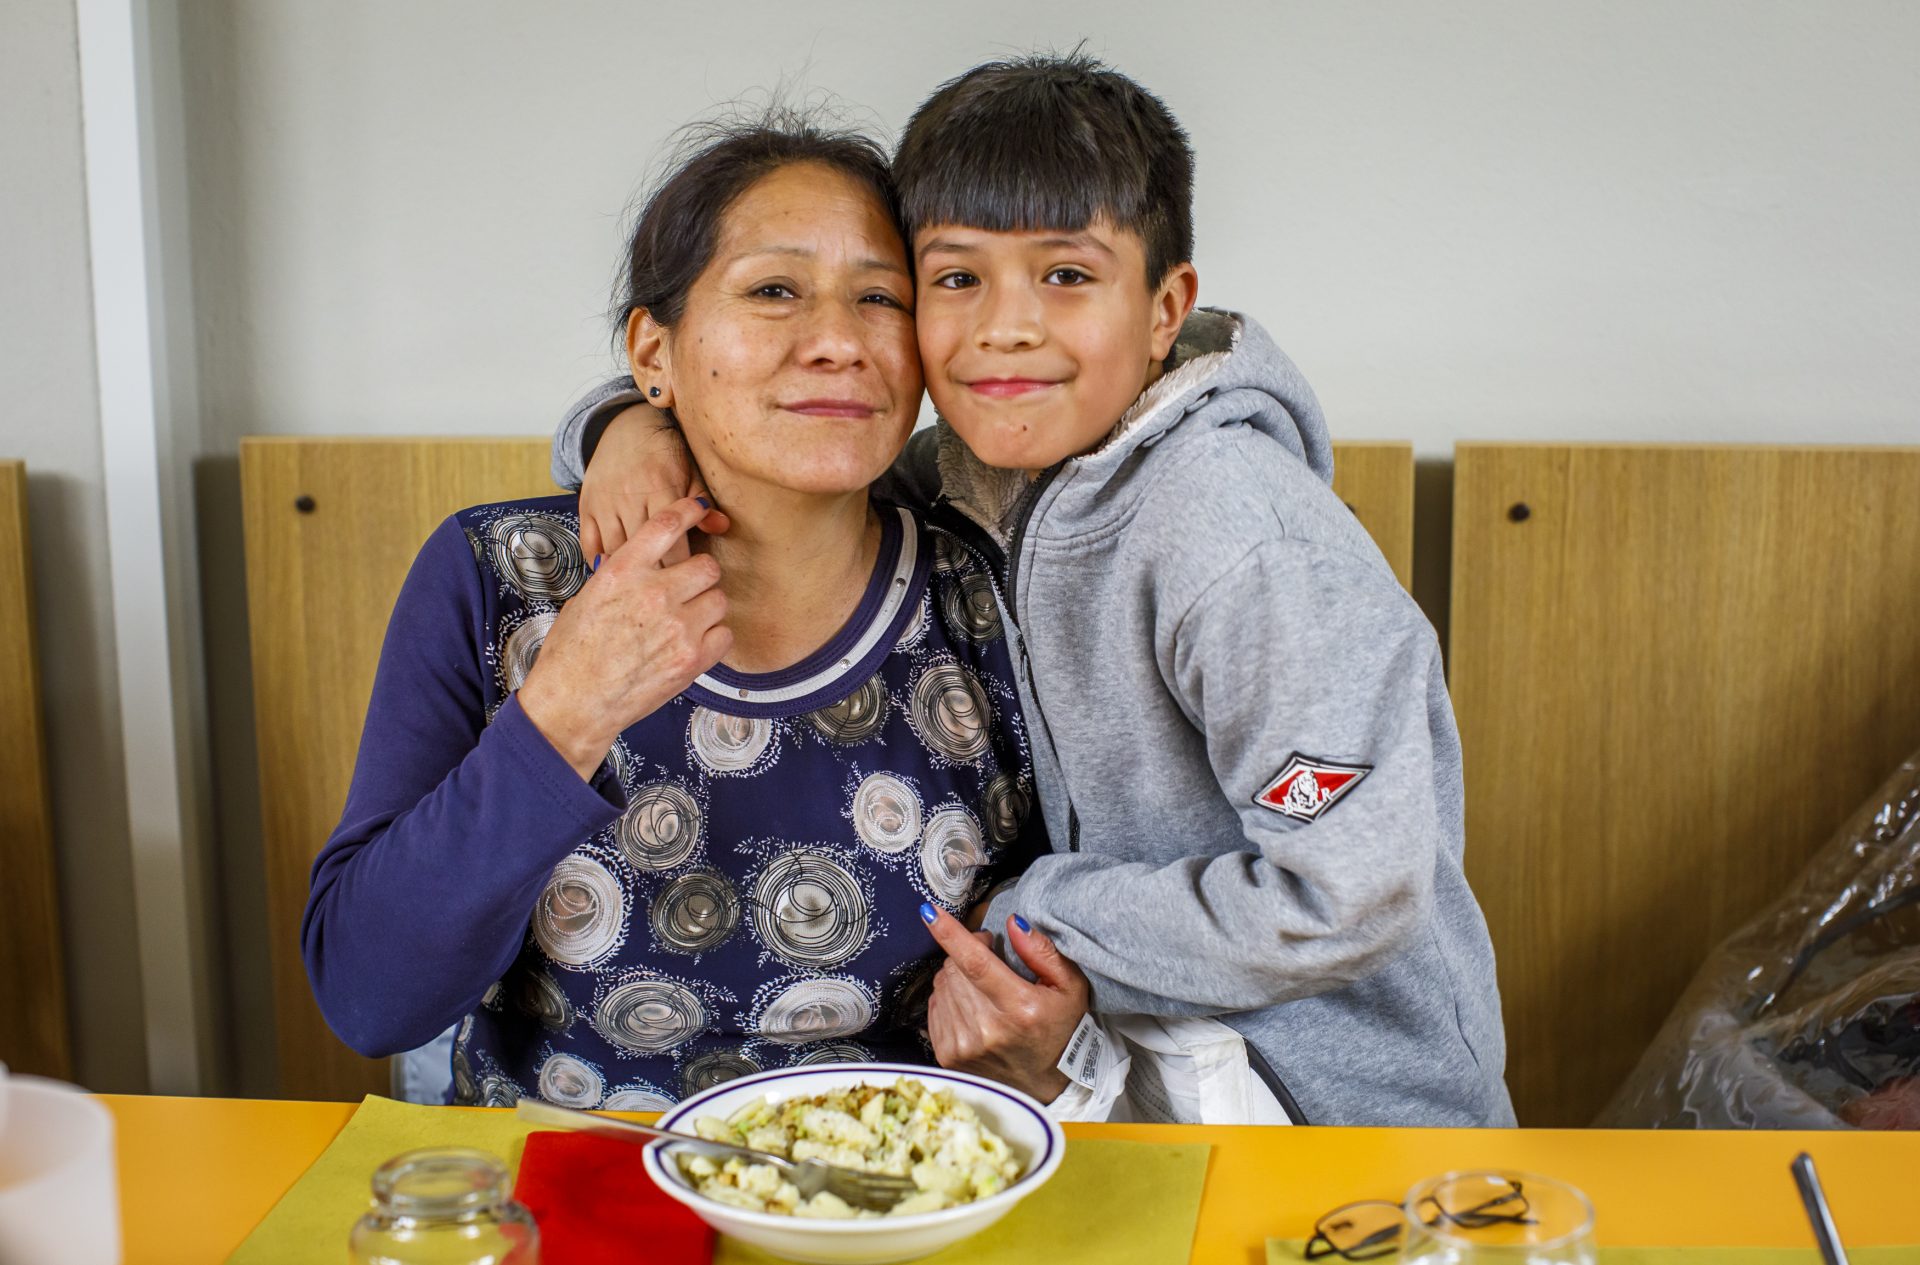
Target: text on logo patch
{"points": [[1305, 788]]}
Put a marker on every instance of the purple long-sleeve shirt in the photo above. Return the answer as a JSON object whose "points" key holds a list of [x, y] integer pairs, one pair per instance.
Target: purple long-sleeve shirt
{"points": [[738, 886]]}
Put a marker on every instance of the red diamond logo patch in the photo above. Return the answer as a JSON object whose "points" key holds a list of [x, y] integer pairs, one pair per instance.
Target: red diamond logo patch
{"points": [[1305, 787]]}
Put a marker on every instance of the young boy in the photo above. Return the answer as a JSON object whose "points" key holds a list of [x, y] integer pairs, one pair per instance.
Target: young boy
{"points": [[1244, 748]]}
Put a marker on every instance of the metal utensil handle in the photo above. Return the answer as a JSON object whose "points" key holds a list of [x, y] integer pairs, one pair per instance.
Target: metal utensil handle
{"points": [[585, 1121], [1825, 1233]]}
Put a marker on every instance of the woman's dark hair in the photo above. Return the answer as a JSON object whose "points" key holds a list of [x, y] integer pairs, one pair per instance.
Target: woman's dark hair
{"points": [[675, 233]]}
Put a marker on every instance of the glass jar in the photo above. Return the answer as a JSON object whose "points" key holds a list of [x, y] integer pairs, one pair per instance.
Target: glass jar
{"points": [[1497, 1218], [444, 1206]]}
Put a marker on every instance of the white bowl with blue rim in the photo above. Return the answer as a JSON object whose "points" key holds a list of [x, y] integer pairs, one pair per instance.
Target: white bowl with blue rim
{"points": [[1028, 1130]]}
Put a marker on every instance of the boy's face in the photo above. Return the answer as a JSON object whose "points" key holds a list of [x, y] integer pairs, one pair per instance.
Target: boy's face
{"points": [[1035, 343]]}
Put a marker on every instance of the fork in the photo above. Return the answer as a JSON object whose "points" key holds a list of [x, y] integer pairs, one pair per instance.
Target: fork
{"points": [[875, 1191]]}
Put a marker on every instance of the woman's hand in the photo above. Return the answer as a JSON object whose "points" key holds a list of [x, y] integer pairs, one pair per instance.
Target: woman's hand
{"points": [[639, 468], [985, 1019], [637, 634]]}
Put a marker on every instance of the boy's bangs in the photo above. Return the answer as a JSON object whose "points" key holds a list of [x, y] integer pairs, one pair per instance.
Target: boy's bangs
{"points": [[1027, 184]]}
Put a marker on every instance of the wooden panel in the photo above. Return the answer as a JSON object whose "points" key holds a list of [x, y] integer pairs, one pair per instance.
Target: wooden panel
{"points": [[33, 988], [320, 586], [1675, 675], [1375, 479]]}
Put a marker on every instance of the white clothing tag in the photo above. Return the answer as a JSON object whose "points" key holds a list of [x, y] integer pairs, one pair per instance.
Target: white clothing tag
{"points": [[1080, 1062]]}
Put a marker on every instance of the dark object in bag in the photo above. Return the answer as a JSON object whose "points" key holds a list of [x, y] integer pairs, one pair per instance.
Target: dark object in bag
{"points": [[1809, 1016]]}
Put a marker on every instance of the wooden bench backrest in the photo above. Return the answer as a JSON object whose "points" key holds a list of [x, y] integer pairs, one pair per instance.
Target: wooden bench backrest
{"points": [[1676, 670]]}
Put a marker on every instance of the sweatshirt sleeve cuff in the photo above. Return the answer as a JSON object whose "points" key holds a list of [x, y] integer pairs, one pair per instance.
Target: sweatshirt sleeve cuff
{"points": [[603, 412]]}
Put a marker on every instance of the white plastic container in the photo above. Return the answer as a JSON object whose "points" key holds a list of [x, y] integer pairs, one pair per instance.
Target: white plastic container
{"points": [[59, 1186]]}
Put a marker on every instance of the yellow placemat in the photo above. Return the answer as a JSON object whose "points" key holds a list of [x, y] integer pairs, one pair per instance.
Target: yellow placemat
{"points": [[1118, 1203], [312, 1220], [1287, 1252]]}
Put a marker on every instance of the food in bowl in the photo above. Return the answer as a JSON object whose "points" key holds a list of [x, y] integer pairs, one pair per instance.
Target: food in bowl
{"points": [[905, 1130]]}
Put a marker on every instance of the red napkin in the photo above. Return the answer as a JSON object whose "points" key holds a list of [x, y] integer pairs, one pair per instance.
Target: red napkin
{"points": [[597, 1206]]}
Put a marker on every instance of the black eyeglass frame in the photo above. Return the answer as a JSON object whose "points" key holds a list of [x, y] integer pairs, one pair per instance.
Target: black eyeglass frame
{"points": [[1386, 1240], [1382, 1242]]}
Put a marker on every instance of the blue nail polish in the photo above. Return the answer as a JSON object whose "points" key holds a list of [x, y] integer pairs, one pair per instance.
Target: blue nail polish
{"points": [[596, 563], [705, 504], [927, 913], [1021, 923]]}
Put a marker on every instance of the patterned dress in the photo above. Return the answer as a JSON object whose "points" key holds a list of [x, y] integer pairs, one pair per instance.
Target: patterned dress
{"points": [[749, 898]]}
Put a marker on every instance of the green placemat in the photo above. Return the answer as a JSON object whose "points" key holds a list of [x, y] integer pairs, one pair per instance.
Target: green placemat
{"points": [[1287, 1252], [1118, 1203]]}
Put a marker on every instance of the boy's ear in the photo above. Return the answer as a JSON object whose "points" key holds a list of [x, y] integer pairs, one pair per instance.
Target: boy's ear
{"points": [[1172, 302], [650, 357]]}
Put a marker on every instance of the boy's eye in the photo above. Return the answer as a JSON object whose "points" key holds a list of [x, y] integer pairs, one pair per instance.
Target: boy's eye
{"points": [[773, 290], [956, 280], [1067, 277]]}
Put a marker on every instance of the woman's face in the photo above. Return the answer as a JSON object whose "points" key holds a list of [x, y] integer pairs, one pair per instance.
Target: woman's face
{"points": [[793, 364]]}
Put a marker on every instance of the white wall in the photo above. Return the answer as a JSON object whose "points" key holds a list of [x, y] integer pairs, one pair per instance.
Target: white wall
{"points": [[1493, 219], [49, 416]]}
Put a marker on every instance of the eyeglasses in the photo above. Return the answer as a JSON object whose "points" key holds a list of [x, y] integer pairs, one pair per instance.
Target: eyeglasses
{"points": [[1372, 1228]]}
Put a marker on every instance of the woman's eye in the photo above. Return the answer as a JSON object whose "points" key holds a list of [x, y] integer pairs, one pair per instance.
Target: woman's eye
{"points": [[884, 299], [956, 281], [1067, 276], [773, 290]]}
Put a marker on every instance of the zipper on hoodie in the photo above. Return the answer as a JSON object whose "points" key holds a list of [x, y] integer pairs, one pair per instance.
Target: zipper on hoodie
{"points": [[1024, 516], [1023, 513]]}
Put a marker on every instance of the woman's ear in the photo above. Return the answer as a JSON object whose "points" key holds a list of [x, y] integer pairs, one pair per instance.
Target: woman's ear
{"points": [[1179, 290], [650, 357]]}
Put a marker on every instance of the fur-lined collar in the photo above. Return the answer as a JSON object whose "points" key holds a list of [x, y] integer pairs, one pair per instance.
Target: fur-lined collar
{"points": [[984, 493]]}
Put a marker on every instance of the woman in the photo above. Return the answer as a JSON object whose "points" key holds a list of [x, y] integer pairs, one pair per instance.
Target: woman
{"points": [[690, 839]]}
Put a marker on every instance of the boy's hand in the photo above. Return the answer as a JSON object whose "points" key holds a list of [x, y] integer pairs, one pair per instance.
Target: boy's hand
{"points": [[637, 634], [639, 468], [983, 1018]]}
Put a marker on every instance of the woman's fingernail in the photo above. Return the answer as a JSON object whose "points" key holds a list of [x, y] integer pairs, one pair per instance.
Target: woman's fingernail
{"points": [[596, 563], [928, 913], [705, 504], [1021, 923]]}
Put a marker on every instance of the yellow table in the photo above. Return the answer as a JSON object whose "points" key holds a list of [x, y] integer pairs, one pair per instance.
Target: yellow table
{"points": [[196, 1175]]}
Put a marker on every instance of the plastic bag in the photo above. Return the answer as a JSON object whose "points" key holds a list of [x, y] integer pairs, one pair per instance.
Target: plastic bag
{"points": [[1809, 1016]]}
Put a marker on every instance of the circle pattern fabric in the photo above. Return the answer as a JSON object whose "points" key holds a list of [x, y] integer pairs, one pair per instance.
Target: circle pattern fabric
{"points": [[751, 901], [660, 828], [811, 1010], [696, 911], [809, 909], [951, 713], [728, 744], [648, 1016], [886, 813], [580, 915], [539, 556]]}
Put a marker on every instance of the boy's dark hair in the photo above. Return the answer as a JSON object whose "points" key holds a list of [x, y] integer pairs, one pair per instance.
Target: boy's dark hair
{"points": [[1050, 142], [674, 235]]}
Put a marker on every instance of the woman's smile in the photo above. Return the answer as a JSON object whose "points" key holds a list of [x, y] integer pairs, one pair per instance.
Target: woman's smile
{"points": [[852, 409]]}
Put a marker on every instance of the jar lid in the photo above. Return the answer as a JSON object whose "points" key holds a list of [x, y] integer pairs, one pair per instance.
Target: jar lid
{"points": [[440, 1181]]}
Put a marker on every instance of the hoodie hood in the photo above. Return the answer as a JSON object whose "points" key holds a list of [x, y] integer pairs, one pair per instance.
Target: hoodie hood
{"points": [[1224, 371]]}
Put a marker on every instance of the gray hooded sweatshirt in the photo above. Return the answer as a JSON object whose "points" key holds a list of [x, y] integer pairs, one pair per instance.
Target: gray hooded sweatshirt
{"points": [[1244, 748]]}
